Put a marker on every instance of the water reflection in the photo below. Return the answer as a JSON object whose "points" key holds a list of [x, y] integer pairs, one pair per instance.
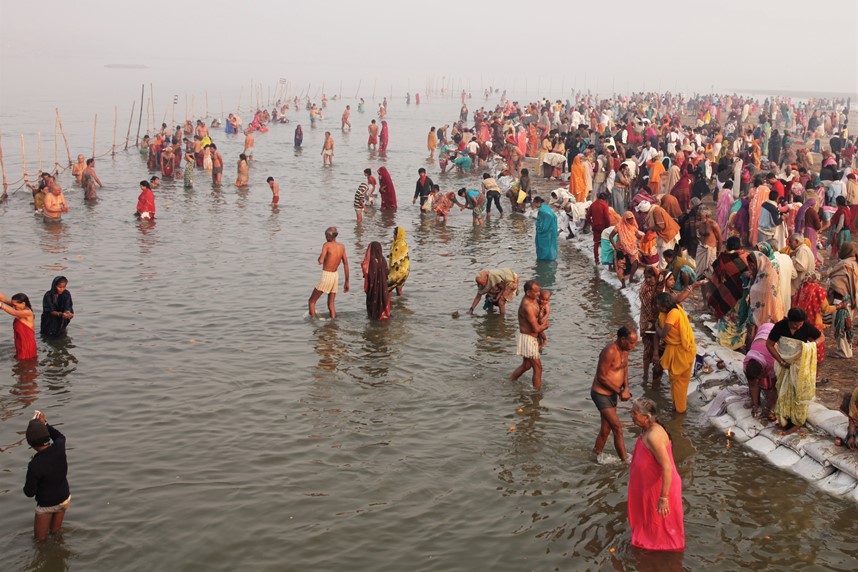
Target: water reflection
{"points": [[546, 273], [148, 237], [54, 238], [329, 346], [496, 334], [24, 392], [59, 361], [375, 356], [51, 555]]}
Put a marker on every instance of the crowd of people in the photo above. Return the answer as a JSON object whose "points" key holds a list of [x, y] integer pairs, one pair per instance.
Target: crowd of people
{"points": [[638, 172]]}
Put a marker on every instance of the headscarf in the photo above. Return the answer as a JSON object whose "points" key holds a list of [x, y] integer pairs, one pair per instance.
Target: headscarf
{"points": [[767, 249], [399, 264], [627, 230], [847, 250], [377, 294], [386, 183], [761, 195], [766, 304], [578, 179]]}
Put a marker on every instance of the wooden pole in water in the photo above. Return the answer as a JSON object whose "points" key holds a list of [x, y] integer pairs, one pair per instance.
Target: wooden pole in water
{"points": [[3, 167], [357, 91], [94, 123], [56, 148], [140, 118], [63, 132], [130, 120], [39, 142], [240, 93], [115, 121], [24, 158]]}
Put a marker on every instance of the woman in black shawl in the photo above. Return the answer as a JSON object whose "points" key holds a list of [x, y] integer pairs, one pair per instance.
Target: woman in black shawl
{"points": [[375, 271], [57, 309]]}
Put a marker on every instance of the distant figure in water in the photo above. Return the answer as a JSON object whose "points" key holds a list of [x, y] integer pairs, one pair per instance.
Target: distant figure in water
{"points": [[23, 325], [145, 202], [57, 309], [275, 191], [332, 254], [328, 150], [417, 98], [242, 176], [383, 138], [299, 136], [79, 167], [345, 120], [372, 142], [217, 165]]}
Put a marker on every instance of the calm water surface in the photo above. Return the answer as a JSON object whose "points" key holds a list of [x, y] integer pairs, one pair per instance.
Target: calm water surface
{"points": [[211, 426]]}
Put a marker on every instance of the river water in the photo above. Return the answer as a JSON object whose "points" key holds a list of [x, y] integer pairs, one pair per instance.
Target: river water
{"points": [[211, 425]]}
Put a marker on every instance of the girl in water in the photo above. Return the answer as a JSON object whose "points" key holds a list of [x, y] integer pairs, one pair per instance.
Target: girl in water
{"points": [[23, 325]]}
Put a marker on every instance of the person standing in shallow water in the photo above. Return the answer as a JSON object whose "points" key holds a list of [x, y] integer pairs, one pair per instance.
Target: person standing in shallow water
{"points": [[332, 254], [23, 326], [47, 476], [655, 488], [610, 383], [89, 181], [57, 309], [529, 328]]}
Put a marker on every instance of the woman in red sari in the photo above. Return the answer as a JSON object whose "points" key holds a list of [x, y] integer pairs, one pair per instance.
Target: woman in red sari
{"points": [[375, 272], [682, 189], [655, 488], [386, 189], [23, 326], [383, 137], [813, 299]]}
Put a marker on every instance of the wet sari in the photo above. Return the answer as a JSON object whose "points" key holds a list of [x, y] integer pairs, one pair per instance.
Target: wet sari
{"points": [[375, 274], [399, 264]]}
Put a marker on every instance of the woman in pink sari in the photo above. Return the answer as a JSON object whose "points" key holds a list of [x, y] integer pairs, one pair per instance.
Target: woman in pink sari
{"points": [[382, 137], [655, 488], [386, 189], [522, 141], [725, 204]]}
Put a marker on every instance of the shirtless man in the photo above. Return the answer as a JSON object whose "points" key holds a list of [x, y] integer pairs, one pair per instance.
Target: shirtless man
{"points": [[710, 242], [332, 254], [529, 328], [241, 179], [78, 169], [248, 144], [328, 150], [372, 143], [217, 165], [612, 381], [275, 191], [55, 201], [346, 121]]}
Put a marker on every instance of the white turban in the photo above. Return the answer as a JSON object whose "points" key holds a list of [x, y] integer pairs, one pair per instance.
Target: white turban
{"points": [[644, 207]]}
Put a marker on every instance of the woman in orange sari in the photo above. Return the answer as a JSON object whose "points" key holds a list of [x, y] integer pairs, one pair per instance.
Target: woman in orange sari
{"points": [[578, 180], [532, 141], [656, 169]]}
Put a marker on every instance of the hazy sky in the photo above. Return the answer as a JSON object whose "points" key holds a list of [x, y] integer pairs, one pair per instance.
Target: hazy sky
{"points": [[731, 44]]}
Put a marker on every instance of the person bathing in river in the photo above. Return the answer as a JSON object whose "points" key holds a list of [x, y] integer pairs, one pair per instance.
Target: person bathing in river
{"points": [[23, 326], [333, 253], [57, 309], [610, 383]]}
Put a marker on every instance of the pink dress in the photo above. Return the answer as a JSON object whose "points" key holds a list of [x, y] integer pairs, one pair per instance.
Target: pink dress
{"points": [[650, 530]]}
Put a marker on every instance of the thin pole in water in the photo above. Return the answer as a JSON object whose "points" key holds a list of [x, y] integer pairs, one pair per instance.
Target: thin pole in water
{"points": [[140, 118], [130, 121]]}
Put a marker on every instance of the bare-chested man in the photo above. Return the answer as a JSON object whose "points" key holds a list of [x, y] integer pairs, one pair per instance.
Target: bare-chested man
{"points": [[217, 165], [78, 170], [328, 150], [346, 121], [709, 237], [275, 191], [55, 201], [243, 167], [248, 144], [612, 381], [529, 328], [332, 254], [372, 142]]}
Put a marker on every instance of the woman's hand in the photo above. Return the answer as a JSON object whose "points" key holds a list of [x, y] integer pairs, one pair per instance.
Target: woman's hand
{"points": [[663, 506]]}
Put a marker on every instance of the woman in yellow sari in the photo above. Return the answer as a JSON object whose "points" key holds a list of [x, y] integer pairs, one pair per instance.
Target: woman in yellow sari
{"points": [[399, 265], [680, 350]]}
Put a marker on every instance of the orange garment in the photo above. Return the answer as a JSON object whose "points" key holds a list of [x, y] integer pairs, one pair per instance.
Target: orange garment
{"points": [[578, 180], [656, 169]]}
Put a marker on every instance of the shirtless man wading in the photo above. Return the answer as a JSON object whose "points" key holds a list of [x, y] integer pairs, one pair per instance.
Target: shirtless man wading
{"points": [[217, 165], [611, 382], [332, 254], [529, 328]]}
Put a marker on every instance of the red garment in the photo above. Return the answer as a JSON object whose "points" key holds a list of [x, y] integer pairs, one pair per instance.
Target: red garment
{"points": [[146, 202], [382, 138], [682, 191], [599, 216], [779, 187], [25, 340], [386, 189], [650, 530]]}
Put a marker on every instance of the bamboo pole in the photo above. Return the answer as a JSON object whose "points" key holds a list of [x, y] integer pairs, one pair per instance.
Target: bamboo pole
{"points": [[3, 167], [56, 149], [63, 132], [130, 120], [94, 123], [207, 104], [357, 91], [140, 118], [39, 142], [24, 158], [152, 95], [115, 120]]}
